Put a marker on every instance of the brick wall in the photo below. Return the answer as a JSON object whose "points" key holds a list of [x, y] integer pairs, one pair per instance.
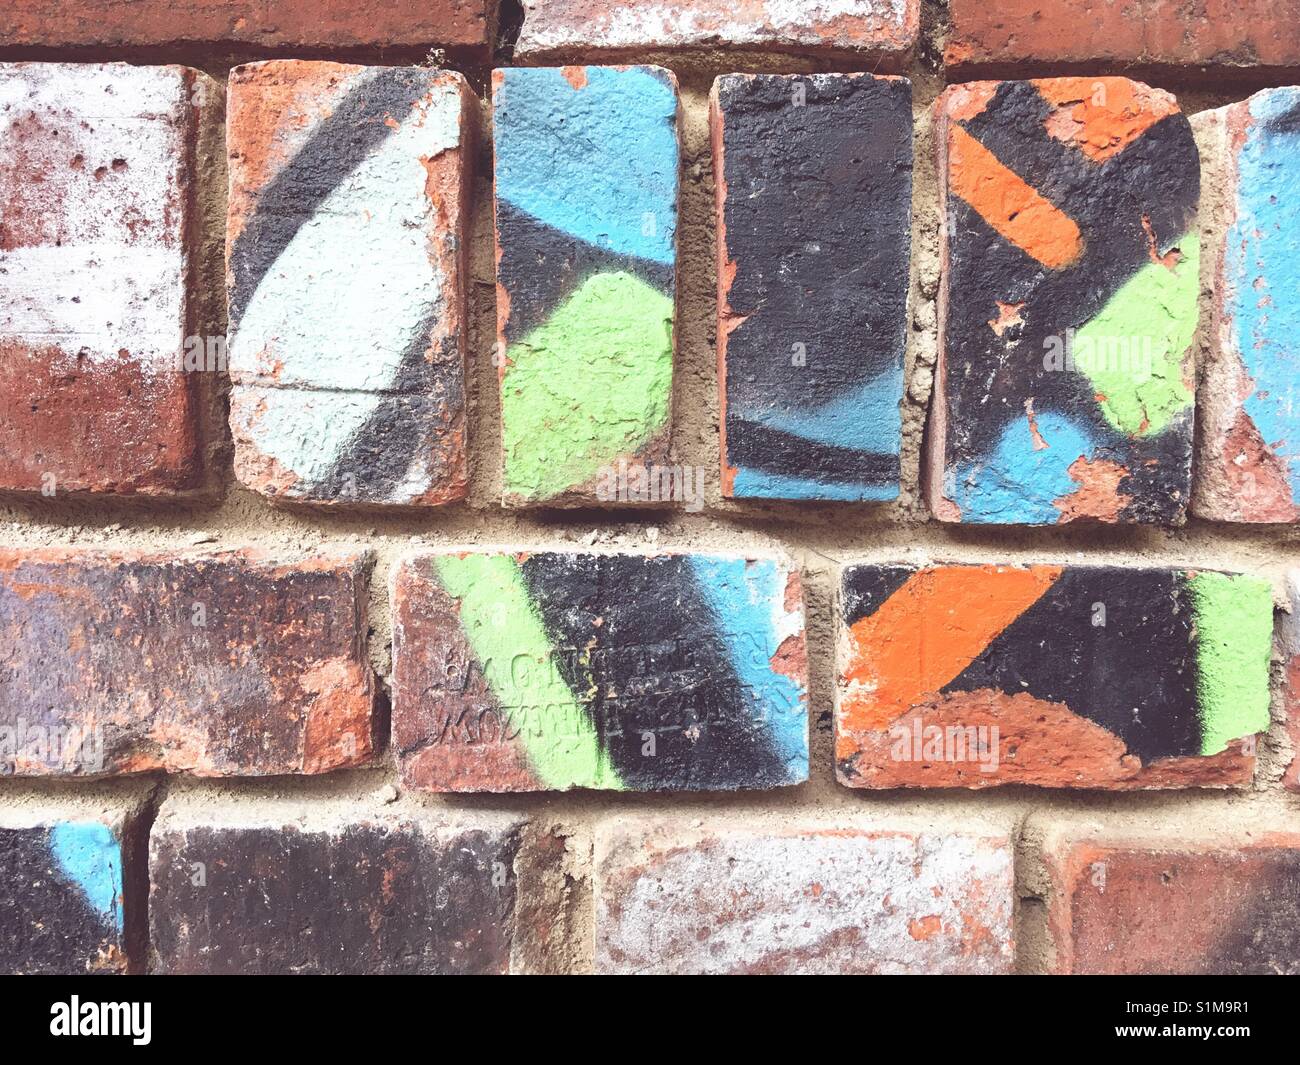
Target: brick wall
{"points": [[649, 486]]}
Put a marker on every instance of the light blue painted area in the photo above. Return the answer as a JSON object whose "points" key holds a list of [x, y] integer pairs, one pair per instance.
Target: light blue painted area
{"points": [[747, 600], [600, 162], [90, 856], [866, 419], [760, 484], [1264, 244], [1017, 484]]}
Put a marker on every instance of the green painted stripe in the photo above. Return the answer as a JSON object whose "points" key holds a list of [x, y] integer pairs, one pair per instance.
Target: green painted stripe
{"points": [[511, 645], [1234, 641]]}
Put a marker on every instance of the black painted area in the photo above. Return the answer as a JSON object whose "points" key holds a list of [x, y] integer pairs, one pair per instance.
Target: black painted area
{"points": [[47, 925], [656, 663], [1135, 675], [988, 378], [864, 589], [1262, 933], [367, 899], [817, 213]]}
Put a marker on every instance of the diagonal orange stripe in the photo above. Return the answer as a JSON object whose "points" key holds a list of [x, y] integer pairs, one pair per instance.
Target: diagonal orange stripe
{"points": [[927, 632], [1015, 210]]}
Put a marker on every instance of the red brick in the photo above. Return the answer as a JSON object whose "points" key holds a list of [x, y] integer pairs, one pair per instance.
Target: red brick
{"points": [[878, 29], [229, 664], [813, 898], [97, 257], [1220, 33], [270, 24], [1161, 905]]}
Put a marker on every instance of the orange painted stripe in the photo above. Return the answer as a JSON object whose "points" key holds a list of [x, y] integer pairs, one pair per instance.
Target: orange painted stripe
{"points": [[1103, 116], [927, 632], [1014, 209]]}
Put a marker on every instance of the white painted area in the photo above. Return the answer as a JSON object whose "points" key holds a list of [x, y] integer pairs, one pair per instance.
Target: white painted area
{"points": [[1288, 629], [100, 265], [347, 296], [813, 903]]}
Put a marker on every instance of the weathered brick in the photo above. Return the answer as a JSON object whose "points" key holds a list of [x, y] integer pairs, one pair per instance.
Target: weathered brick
{"points": [[72, 882], [1059, 676], [1158, 904], [587, 165], [1168, 33], [348, 197], [880, 30], [286, 887], [814, 199], [271, 24], [813, 898], [546, 671], [98, 250], [1288, 641], [1067, 304], [229, 664], [1248, 460]]}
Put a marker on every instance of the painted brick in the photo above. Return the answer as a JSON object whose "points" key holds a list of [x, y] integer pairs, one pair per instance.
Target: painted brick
{"points": [[1248, 459], [271, 24], [814, 214], [752, 898], [1161, 906], [229, 664], [1288, 643], [1067, 304], [349, 189], [883, 30], [328, 889], [1217, 33], [72, 885], [97, 252], [549, 671], [587, 163], [1058, 676]]}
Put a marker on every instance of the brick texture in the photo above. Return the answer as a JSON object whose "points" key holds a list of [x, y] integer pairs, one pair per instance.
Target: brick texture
{"points": [[270, 24], [748, 898], [1074, 676], [1288, 646], [97, 246], [880, 30], [813, 212], [349, 188], [223, 665], [1163, 906], [587, 163], [547, 671], [1067, 304], [339, 891]]}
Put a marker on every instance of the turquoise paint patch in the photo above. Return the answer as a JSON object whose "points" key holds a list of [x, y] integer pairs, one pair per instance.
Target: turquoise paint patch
{"points": [[1017, 484], [866, 419], [1264, 243], [746, 598], [90, 856], [759, 484], [600, 162]]}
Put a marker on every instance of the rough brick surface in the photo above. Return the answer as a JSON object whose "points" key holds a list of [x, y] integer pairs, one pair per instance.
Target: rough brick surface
{"points": [[748, 898], [587, 163], [814, 206], [96, 246], [881, 29], [333, 891], [1248, 462], [1067, 304], [1096, 677], [1219, 33], [1288, 643], [547, 671], [71, 897], [1162, 906], [220, 665], [348, 194], [279, 24]]}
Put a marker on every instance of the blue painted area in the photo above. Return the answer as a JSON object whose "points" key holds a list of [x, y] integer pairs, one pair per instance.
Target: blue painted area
{"points": [[600, 162], [1264, 244], [1017, 484], [90, 856], [760, 484], [866, 419], [746, 598]]}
